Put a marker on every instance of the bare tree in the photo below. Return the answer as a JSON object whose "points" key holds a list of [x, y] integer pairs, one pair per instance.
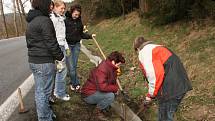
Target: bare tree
{"points": [[14, 17], [20, 16], [4, 22], [143, 6], [123, 8], [22, 8]]}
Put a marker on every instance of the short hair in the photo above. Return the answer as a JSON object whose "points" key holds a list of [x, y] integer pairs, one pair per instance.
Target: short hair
{"points": [[42, 5], [138, 42], [59, 2], [75, 7], [116, 57]]}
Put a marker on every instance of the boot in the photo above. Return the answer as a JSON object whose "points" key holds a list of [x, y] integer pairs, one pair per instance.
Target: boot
{"points": [[99, 115]]}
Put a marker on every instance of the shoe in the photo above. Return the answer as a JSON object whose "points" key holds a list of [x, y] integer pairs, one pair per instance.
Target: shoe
{"points": [[54, 116], [77, 87], [51, 100], [64, 98], [72, 88], [99, 115], [107, 111]]}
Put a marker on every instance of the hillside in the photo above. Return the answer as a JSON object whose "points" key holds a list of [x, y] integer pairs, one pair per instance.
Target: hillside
{"points": [[194, 43]]}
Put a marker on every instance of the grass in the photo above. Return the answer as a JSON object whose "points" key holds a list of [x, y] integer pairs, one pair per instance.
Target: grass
{"points": [[194, 45]]}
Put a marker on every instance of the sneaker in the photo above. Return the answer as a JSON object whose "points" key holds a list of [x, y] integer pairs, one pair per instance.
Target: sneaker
{"points": [[54, 116], [64, 98], [51, 100], [99, 115], [72, 88], [77, 87]]}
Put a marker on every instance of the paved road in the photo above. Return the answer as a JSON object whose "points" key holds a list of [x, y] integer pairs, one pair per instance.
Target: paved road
{"points": [[14, 70], [14, 67]]}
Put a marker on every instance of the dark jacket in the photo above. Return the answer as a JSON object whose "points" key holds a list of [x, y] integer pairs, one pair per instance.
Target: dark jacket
{"points": [[41, 39], [165, 73], [102, 78], [74, 30]]}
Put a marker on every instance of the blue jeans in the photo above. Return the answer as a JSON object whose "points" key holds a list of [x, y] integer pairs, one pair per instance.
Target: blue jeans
{"points": [[60, 79], [44, 79], [167, 108], [101, 99], [72, 61]]}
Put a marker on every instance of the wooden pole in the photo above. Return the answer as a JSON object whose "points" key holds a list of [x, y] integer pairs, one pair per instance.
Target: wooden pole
{"points": [[117, 80], [99, 48], [21, 108], [124, 111]]}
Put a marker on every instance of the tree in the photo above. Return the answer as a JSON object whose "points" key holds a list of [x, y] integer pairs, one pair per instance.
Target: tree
{"points": [[20, 15], [143, 6], [22, 8], [14, 17], [123, 8], [3, 16]]}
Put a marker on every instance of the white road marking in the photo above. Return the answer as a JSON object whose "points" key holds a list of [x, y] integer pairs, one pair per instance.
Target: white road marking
{"points": [[12, 102]]}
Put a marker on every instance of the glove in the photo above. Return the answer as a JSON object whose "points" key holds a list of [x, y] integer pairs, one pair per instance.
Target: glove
{"points": [[93, 35], [85, 30], [118, 72], [147, 101], [68, 52], [60, 65]]}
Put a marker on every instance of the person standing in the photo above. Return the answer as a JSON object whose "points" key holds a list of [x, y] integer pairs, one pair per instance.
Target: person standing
{"points": [[167, 78], [57, 17], [74, 33], [43, 50]]}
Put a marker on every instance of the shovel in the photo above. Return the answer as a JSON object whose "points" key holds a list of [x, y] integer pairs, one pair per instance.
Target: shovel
{"points": [[126, 97]]}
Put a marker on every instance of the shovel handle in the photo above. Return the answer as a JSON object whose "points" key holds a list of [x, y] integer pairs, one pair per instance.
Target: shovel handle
{"points": [[117, 80], [99, 48]]}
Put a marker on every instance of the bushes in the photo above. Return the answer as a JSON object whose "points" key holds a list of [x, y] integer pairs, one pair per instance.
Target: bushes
{"points": [[202, 9], [168, 11], [159, 11]]}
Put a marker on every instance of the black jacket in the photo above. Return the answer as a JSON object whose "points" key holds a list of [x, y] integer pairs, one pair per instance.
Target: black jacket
{"points": [[176, 82], [41, 39], [74, 30]]}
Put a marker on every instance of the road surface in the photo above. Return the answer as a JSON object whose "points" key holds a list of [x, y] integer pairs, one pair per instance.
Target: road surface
{"points": [[14, 69]]}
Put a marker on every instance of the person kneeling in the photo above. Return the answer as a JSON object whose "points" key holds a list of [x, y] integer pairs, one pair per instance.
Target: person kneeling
{"points": [[101, 85]]}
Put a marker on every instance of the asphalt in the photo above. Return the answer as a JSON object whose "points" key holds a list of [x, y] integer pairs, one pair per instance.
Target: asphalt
{"points": [[14, 69]]}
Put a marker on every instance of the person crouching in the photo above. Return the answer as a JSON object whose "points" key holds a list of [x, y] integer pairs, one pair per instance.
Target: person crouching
{"points": [[101, 85]]}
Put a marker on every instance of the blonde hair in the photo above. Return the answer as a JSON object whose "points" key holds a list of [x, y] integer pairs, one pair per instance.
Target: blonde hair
{"points": [[58, 3]]}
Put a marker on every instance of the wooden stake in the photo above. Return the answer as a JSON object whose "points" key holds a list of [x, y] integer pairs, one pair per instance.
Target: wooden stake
{"points": [[21, 108]]}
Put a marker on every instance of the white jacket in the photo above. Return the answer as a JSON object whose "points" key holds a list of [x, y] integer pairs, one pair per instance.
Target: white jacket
{"points": [[60, 29]]}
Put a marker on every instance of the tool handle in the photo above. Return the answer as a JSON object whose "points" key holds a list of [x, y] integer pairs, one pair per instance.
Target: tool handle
{"points": [[99, 48], [117, 80]]}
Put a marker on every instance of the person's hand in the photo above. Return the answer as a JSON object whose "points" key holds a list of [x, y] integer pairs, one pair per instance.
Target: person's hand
{"points": [[68, 52], [93, 35], [118, 72], [147, 100]]}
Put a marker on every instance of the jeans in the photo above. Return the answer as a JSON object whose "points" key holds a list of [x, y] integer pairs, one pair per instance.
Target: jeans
{"points": [[72, 61], [60, 79], [101, 99], [44, 79], [166, 109]]}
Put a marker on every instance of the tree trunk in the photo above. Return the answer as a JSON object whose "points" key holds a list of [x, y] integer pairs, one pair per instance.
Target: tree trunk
{"points": [[22, 8], [14, 17], [123, 8], [4, 22], [20, 16], [143, 6]]}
